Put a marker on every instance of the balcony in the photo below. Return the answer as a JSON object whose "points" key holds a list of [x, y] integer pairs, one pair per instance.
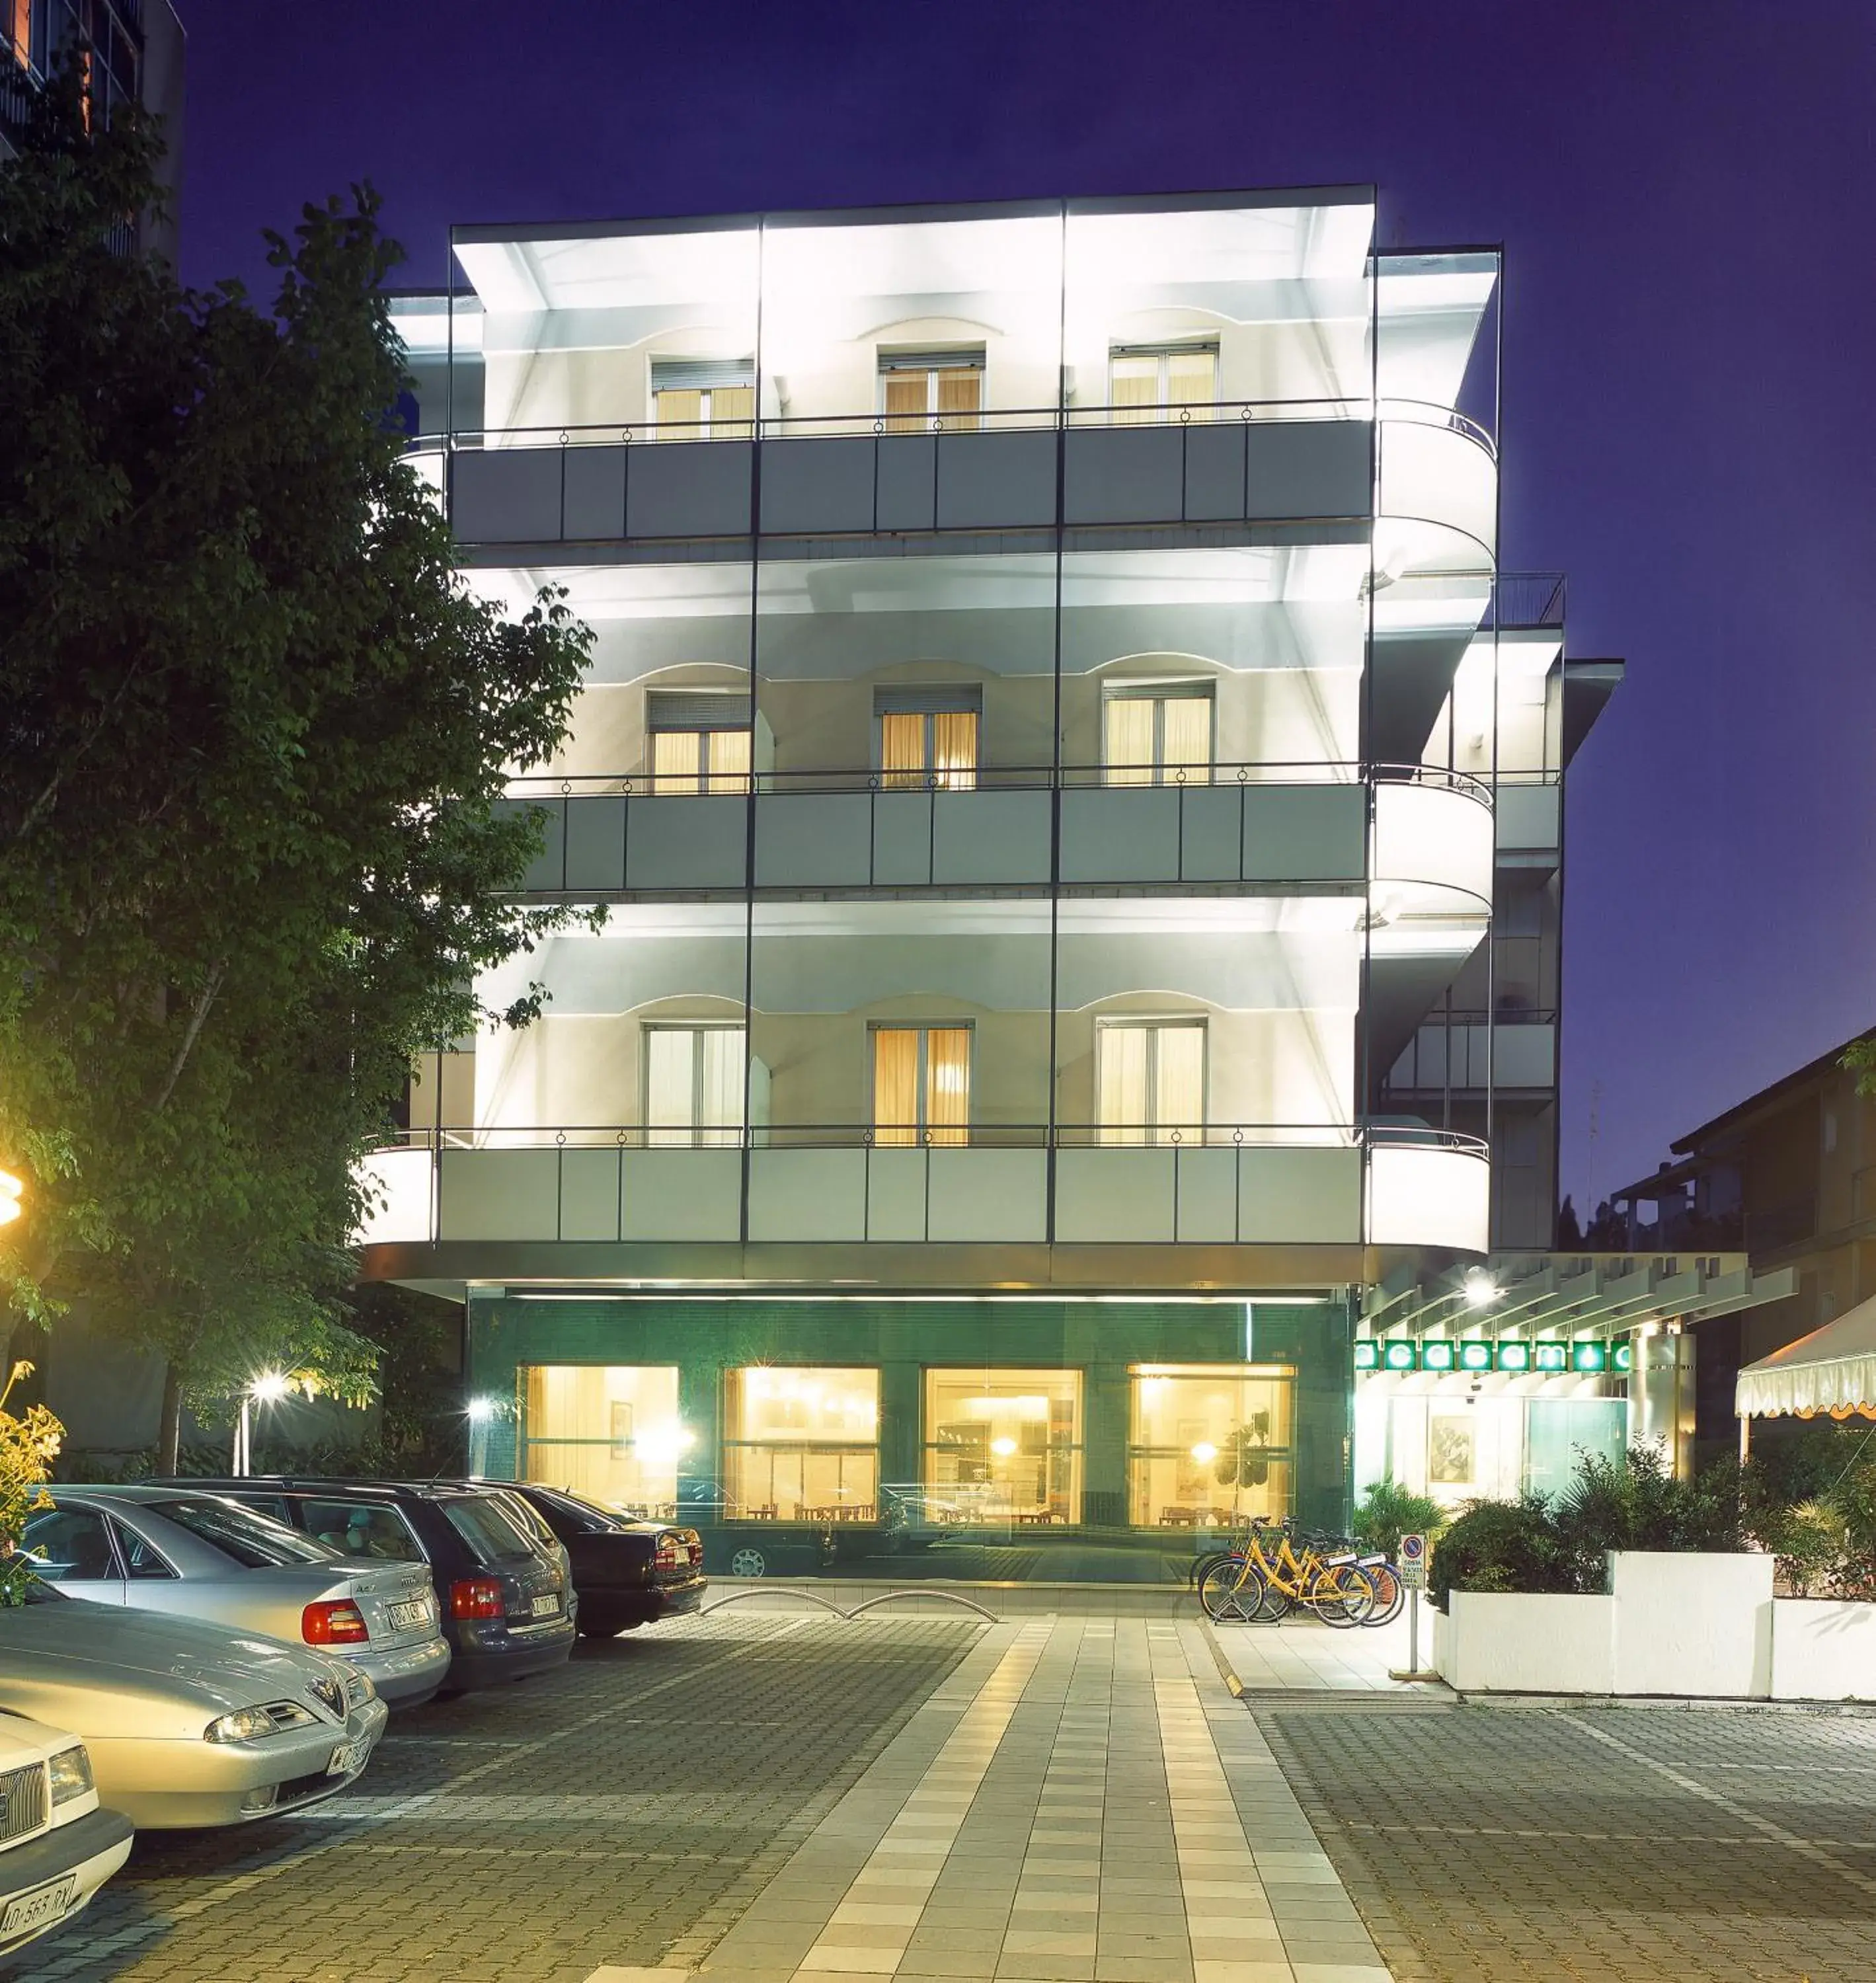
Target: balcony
{"points": [[1471, 1051], [1249, 825], [1250, 462], [1246, 1185]]}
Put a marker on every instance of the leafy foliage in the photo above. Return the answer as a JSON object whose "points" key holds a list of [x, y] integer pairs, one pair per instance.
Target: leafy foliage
{"points": [[1502, 1545], [253, 849], [29, 1443], [1388, 1511]]}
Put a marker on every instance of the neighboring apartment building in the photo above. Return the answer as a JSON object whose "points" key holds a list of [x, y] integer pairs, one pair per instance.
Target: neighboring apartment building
{"points": [[1081, 816], [1789, 1174], [131, 51]]}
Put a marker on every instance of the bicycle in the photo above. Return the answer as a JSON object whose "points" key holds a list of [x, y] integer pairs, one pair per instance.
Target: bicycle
{"points": [[1239, 1586]]}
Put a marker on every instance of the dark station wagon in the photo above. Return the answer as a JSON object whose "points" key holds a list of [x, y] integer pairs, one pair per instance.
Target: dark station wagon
{"points": [[626, 1573]]}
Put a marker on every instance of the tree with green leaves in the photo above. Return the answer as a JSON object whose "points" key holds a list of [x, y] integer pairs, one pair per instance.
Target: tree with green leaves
{"points": [[253, 742]]}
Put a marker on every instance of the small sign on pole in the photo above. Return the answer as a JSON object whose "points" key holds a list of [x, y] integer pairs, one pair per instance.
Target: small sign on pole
{"points": [[1410, 1561]]}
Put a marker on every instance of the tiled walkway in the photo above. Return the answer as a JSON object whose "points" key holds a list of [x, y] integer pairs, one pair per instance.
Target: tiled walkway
{"points": [[1300, 1652], [1081, 1801]]}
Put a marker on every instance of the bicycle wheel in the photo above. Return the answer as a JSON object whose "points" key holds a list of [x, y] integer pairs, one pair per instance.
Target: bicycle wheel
{"points": [[1390, 1593], [1232, 1592], [1201, 1565], [1342, 1595]]}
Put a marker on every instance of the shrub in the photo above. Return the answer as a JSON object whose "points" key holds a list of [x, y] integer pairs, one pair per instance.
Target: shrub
{"points": [[1502, 1545], [1388, 1511]]}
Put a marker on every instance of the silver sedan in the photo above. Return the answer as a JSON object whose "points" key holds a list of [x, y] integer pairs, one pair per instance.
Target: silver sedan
{"points": [[198, 1556], [187, 1723]]}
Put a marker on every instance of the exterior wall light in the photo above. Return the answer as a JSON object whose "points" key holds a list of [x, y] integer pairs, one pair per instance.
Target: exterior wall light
{"points": [[1481, 1289]]}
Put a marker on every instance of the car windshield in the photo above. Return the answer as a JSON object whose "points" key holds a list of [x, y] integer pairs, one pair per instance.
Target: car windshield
{"points": [[251, 1540], [569, 1514], [490, 1532]]}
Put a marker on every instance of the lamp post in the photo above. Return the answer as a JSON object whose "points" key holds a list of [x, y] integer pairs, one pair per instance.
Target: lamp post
{"points": [[268, 1389], [480, 1413]]}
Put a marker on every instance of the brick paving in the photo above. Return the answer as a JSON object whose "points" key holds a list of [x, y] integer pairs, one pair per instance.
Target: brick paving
{"points": [[622, 1811], [1496, 1844]]}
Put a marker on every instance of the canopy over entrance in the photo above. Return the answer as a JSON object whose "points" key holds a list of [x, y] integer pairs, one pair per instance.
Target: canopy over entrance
{"points": [[1832, 1369]]}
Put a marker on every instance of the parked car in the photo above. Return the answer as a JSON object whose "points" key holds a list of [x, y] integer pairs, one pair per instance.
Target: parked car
{"points": [[199, 1555], [58, 1843], [507, 1595], [186, 1724], [626, 1572]]}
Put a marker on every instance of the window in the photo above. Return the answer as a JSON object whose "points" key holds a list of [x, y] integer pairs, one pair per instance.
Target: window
{"points": [[143, 1563], [609, 1432], [493, 1535], [1209, 1443], [363, 1528], [920, 390], [73, 1545], [1149, 383], [1149, 1080], [1003, 1446], [703, 398], [1157, 734], [801, 1445], [700, 743], [19, 31], [695, 1079], [921, 1085], [928, 737], [251, 1540]]}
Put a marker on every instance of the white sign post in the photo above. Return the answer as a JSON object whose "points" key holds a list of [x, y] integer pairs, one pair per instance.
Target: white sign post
{"points": [[1412, 1567]]}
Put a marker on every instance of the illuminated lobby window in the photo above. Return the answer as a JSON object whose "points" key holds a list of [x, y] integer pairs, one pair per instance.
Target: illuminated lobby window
{"points": [[611, 1432], [1003, 1446], [801, 1445], [1210, 1443]]}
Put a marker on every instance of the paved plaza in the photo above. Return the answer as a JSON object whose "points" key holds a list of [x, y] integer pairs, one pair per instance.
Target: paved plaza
{"points": [[768, 1795]]}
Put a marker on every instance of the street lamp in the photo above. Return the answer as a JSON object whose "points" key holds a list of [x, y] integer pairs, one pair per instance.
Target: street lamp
{"points": [[480, 1412], [12, 1190], [268, 1389]]}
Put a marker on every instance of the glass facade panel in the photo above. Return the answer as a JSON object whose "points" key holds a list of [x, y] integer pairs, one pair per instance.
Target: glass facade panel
{"points": [[612, 1433], [801, 1445], [1002, 1446], [1209, 1444]]}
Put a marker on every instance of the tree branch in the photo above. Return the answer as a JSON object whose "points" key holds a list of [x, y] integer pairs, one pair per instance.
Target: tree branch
{"points": [[189, 1037]]}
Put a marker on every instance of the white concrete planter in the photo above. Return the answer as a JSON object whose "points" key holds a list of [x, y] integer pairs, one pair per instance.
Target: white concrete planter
{"points": [[1692, 1626], [1498, 1643], [1823, 1650]]}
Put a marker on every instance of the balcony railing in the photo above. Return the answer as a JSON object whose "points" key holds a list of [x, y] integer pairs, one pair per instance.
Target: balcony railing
{"points": [[1211, 1184]]}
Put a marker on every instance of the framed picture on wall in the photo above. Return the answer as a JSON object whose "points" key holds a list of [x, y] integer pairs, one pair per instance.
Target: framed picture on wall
{"points": [[1451, 1450], [621, 1429]]}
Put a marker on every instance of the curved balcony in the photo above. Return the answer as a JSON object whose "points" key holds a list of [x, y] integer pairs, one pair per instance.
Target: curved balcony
{"points": [[1206, 1185], [1249, 825], [1439, 468]]}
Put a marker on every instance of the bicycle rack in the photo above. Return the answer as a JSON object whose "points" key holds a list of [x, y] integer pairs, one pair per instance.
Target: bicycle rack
{"points": [[828, 1604]]}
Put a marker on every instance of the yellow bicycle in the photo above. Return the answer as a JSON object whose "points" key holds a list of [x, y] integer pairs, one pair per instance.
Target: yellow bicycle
{"points": [[1252, 1584]]}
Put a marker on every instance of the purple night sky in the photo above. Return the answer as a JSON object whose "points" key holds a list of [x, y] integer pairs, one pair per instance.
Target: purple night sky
{"points": [[1684, 188]]}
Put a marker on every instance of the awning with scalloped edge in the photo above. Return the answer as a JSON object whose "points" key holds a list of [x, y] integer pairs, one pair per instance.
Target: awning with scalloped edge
{"points": [[1833, 1368]]}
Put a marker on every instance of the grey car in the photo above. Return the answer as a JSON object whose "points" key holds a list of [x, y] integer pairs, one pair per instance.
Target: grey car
{"points": [[186, 1723], [199, 1555]]}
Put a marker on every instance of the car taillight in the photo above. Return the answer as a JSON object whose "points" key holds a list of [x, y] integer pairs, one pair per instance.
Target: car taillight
{"points": [[338, 1623], [477, 1597], [672, 1553]]}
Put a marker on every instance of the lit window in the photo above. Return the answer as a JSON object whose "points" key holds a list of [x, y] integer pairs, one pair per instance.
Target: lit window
{"points": [[922, 390], [693, 1085], [19, 31], [1149, 1080], [1149, 383], [610, 1432], [801, 1445], [700, 743], [1003, 1446], [1209, 1444], [921, 1085], [1157, 734], [928, 737], [694, 399]]}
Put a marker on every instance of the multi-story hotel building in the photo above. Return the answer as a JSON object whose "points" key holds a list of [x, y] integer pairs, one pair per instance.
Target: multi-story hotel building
{"points": [[1079, 810]]}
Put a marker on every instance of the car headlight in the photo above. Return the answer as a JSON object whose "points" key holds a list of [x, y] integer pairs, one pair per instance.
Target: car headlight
{"points": [[358, 1688], [71, 1770], [249, 1724]]}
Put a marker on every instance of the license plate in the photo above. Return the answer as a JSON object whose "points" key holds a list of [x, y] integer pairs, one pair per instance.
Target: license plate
{"points": [[348, 1757], [403, 1617], [546, 1607], [43, 1904]]}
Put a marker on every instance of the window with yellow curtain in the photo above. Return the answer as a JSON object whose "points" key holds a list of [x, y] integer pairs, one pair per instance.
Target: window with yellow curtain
{"points": [[1158, 735], [1150, 384], [921, 1085], [928, 746], [1149, 1080], [702, 399], [919, 389], [700, 760], [19, 30]]}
